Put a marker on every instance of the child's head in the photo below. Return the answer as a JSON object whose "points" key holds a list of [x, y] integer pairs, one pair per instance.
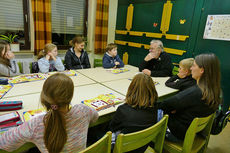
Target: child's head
{"points": [[141, 92], [185, 65], [2, 49], [49, 48], [4, 53], [56, 95], [78, 43], [111, 49]]}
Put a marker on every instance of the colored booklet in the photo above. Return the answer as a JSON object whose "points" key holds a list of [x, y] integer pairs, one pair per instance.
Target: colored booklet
{"points": [[118, 70], [70, 73], [28, 115], [103, 101], [67, 72], [9, 120], [26, 78], [4, 89], [10, 105]]}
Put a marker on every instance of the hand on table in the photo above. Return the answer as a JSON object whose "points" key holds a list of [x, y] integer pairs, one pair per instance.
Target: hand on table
{"points": [[146, 71]]}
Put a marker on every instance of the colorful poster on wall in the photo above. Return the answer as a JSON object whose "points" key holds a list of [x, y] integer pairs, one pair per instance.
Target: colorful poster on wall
{"points": [[217, 27]]}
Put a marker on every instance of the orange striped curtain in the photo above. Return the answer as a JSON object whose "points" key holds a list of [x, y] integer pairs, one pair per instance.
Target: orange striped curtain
{"points": [[101, 31], [42, 23]]}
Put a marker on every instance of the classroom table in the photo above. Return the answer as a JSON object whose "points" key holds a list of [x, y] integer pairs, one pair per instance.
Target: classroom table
{"points": [[121, 86], [89, 83], [32, 101], [100, 74], [36, 86]]}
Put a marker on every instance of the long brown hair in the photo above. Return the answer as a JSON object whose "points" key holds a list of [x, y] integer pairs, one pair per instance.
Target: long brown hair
{"points": [[141, 92], [209, 82], [46, 50], [57, 91], [3, 60]]}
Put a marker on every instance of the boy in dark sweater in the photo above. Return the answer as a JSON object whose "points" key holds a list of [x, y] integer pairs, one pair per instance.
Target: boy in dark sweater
{"points": [[111, 59], [184, 78]]}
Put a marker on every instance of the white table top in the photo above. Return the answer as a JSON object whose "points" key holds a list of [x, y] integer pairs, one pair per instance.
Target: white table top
{"points": [[36, 86], [32, 101], [121, 86], [100, 74], [85, 87]]}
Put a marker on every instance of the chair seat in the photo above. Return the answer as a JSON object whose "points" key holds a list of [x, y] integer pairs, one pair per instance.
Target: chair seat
{"points": [[199, 142], [150, 150]]}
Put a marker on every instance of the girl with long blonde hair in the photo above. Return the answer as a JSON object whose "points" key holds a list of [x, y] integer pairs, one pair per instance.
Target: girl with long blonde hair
{"points": [[8, 65], [48, 60]]}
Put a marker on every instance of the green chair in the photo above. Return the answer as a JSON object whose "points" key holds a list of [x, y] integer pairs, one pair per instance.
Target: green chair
{"points": [[30, 67], [97, 62], [101, 146], [175, 70], [135, 140], [193, 142], [20, 67]]}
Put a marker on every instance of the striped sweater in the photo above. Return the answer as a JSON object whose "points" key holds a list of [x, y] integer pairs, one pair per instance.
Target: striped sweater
{"points": [[77, 123]]}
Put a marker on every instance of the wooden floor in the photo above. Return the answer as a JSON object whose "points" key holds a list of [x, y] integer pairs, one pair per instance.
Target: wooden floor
{"points": [[220, 143]]}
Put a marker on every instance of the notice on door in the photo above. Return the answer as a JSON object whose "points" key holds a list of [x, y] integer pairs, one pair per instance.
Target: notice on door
{"points": [[217, 27]]}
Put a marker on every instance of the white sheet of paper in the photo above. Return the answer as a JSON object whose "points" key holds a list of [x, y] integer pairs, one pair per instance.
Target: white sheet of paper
{"points": [[69, 21]]}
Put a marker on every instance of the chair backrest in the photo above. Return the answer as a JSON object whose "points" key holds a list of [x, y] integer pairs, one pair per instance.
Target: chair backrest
{"points": [[34, 67], [97, 62], [175, 70], [202, 125], [20, 67], [132, 141], [101, 146]]}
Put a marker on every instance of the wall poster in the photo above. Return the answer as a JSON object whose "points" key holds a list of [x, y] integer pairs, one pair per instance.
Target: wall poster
{"points": [[217, 27]]}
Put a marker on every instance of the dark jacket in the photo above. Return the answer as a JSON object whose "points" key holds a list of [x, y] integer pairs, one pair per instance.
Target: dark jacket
{"points": [[128, 119], [181, 84], [188, 105], [109, 61], [160, 67], [73, 62]]}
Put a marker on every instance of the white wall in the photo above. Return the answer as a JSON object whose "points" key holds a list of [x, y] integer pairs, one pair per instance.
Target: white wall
{"points": [[112, 20], [92, 6]]}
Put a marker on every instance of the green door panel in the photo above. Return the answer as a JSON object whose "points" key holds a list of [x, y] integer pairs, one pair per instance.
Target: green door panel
{"points": [[218, 47]]}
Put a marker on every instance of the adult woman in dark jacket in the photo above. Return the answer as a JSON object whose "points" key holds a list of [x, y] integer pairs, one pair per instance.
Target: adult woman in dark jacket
{"points": [[76, 57], [199, 100]]}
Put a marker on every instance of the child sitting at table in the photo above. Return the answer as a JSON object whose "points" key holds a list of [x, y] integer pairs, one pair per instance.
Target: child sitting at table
{"points": [[48, 60], [111, 59], [184, 78], [8, 65], [138, 112], [61, 129]]}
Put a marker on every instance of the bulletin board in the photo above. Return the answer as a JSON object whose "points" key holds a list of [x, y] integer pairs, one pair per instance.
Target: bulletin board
{"points": [[217, 27]]}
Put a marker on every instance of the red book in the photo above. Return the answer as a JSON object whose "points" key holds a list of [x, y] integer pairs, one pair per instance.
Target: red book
{"points": [[10, 105], [9, 118]]}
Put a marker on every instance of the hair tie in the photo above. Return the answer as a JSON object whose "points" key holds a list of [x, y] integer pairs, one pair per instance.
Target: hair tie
{"points": [[54, 107]]}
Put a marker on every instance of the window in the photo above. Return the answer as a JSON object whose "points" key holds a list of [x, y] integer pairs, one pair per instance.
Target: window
{"points": [[68, 19], [14, 20]]}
